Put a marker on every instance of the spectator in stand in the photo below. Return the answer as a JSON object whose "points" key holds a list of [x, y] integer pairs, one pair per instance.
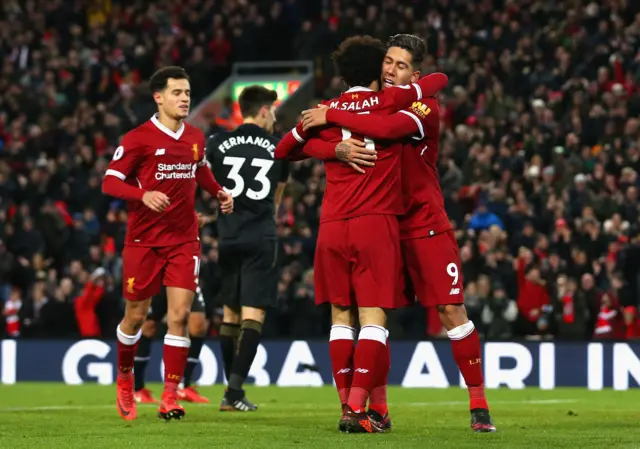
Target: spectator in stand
{"points": [[540, 135]]}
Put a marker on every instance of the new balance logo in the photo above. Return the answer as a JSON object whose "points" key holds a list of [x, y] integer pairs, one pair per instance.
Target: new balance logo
{"points": [[362, 370], [160, 151], [454, 291], [344, 371]]}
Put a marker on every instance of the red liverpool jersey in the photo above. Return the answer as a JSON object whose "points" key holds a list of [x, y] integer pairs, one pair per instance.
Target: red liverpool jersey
{"points": [[153, 157], [378, 191], [424, 205]]}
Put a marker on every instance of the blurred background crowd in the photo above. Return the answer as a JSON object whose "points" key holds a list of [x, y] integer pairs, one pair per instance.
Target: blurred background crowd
{"points": [[539, 152]]}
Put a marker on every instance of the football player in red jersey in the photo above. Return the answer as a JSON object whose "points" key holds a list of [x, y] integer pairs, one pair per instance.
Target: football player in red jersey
{"points": [[156, 169], [429, 249], [357, 258]]}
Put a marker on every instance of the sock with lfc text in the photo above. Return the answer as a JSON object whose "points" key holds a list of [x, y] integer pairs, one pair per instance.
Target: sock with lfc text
{"points": [[341, 350], [176, 349], [193, 358], [465, 345], [127, 346], [140, 362], [370, 351]]}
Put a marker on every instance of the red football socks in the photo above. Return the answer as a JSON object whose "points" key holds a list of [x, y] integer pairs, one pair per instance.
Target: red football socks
{"points": [[378, 398], [341, 349], [370, 350], [175, 354], [465, 345], [127, 346]]}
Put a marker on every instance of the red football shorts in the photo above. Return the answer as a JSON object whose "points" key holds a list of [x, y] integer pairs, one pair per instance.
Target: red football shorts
{"points": [[358, 262], [432, 270], [145, 270]]}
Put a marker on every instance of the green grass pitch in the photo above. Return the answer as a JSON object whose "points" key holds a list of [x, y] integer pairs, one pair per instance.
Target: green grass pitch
{"points": [[39, 415]]}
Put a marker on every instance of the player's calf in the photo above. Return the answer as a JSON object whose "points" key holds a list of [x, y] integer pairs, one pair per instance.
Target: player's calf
{"points": [[248, 341], [176, 349], [370, 350], [125, 402], [197, 330], [128, 334], [378, 407], [466, 348], [341, 348], [142, 395]]}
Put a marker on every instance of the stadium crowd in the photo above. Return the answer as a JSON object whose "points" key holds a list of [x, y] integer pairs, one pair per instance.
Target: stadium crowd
{"points": [[540, 152]]}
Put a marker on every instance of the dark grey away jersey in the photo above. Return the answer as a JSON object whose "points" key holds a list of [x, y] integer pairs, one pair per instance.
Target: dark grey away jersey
{"points": [[242, 162]]}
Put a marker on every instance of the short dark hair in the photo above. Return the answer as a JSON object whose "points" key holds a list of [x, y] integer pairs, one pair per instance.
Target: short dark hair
{"points": [[158, 81], [359, 60], [253, 98], [411, 43]]}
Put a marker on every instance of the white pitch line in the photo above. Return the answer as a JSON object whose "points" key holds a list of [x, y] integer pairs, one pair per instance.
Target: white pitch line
{"points": [[45, 408], [533, 401]]}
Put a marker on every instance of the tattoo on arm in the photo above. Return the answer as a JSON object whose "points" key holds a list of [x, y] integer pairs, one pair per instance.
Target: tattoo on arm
{"points": [[342, 151]]}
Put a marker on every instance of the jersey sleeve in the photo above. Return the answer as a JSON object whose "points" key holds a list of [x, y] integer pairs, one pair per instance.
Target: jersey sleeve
{"points": [[427, 86], [126, 159], [384, 127], [426, 114], [125, 162], [318, 148], [291, 144]]}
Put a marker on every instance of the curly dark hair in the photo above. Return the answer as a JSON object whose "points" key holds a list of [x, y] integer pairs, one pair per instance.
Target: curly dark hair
{"points": [[359, 60], [412, 44]]}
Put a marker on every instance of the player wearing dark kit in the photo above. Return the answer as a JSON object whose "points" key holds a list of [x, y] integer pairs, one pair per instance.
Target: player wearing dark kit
{"points": [[243, 161]]}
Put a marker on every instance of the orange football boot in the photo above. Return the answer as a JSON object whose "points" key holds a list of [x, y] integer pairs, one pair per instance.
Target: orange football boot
{"points": [[190, 394], [125, 401], [144, 396]]}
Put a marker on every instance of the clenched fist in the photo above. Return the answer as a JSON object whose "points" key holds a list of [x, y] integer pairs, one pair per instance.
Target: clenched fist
{"points": [[156, 201]]}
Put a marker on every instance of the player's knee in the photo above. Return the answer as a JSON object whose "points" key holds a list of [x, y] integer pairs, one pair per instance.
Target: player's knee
{"points": [[343, 316], [452, 315], [178, 316], [135, 316], [372, 316], [231, 315], [149, 328], [197, 325], [248, 323], [253, 314]]}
